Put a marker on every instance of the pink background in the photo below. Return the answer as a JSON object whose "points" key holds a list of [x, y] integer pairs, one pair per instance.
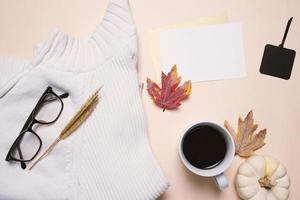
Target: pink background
{"points": [[275, 102]]}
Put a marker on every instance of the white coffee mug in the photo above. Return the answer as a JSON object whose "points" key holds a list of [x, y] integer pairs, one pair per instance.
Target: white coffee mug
{"points": [[216, 172]]}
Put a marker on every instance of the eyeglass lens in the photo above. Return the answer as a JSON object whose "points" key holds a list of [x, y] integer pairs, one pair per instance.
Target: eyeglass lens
{"points": [[49, 109], [29, 145]]}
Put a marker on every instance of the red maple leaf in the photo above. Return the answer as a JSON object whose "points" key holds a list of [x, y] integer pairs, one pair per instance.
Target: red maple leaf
{"points": [[169, 95]]}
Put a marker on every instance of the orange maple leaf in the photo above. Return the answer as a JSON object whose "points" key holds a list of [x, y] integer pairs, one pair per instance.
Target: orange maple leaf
{"points": [[169, 95]]}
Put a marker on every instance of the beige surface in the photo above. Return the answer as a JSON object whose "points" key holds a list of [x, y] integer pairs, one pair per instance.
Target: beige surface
{"points": [[276, 103]]}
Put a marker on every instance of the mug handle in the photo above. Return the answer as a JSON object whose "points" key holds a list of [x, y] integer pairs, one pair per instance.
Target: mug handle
{"points": [[221, 181]]}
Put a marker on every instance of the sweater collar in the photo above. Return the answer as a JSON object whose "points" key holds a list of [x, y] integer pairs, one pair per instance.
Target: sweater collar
{"points": [[67, 53]]}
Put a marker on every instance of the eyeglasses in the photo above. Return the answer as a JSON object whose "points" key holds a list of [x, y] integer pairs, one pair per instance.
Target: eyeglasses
{"points": [[28, 144]]}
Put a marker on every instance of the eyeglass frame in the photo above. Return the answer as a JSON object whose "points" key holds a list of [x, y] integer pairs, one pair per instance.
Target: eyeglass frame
{"points": [[31, 120]]}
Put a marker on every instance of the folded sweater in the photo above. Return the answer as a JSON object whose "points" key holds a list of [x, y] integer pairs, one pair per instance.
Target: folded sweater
{"points": [[108, 157]]}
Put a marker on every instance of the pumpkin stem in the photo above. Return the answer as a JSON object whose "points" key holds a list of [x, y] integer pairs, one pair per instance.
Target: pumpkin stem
{"points": [[265, 182]]}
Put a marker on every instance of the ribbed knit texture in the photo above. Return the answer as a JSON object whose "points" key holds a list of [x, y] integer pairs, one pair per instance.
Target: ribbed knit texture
{"points": [[109, 157]]}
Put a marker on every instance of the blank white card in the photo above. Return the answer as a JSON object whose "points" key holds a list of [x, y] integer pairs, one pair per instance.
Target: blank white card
{"points": [[204, 53]]}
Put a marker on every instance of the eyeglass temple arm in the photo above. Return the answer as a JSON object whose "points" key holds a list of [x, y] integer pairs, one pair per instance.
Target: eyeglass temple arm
{"points": [[64, 95]]}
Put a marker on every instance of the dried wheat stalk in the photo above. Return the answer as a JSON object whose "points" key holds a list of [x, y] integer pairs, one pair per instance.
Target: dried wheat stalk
{"points": [[75, 122]]}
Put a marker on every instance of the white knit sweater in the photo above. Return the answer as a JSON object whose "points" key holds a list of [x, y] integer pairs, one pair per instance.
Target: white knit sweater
{"points": [[109, 157]]}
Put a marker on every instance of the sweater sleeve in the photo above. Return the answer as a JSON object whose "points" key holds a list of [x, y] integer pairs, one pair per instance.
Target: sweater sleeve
{"points": [[11, 70], [117, 28], [118, 20]]}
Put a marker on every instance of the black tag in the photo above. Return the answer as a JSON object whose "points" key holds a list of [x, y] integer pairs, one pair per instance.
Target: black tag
{"points": [[278, 61]]}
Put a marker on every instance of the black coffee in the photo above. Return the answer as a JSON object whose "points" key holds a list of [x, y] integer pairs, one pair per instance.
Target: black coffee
{"points": [[204, 146]]}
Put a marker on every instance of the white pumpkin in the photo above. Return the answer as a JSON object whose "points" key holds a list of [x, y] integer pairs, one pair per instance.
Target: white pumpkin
{"points": [[262, 178]]}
